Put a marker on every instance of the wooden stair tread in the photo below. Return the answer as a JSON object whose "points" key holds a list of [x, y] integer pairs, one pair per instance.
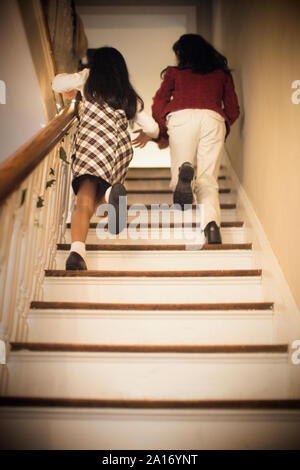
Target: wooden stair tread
{"points": [[203, 273], [136, 348], [156, 206], [156, 168], [165, 225], [157, 247], [151, 178], [160, 178], [127, 306], [290, 404]]}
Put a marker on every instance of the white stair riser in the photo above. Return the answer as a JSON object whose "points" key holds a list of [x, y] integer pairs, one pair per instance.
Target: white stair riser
{"points": [[163, 172], [144, 216], [148, 376], [94, 429], [162, 198], [150, 185], [149, 290], [163, 260], [154, 235], [149, 173], [143, 327], [159, 185]]}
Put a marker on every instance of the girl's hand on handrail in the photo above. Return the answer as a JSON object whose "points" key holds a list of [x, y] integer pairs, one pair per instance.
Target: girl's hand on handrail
{"points": [[69, 95]]}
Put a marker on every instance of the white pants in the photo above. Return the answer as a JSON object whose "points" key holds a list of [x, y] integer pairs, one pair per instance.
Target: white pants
{"points": [[197, 136]]}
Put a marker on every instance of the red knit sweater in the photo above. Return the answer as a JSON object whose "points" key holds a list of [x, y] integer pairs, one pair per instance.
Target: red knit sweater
{"points": [[182, 89]]}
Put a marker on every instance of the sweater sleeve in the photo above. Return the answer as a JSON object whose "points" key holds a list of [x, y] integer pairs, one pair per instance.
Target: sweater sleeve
{"points": [[147, 123], [230, 100], [70, 81], [161, 99]]}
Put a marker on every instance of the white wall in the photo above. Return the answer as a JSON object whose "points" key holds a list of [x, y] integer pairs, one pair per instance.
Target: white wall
{"points": [[261, 41], [144, 35], [22, 113]]}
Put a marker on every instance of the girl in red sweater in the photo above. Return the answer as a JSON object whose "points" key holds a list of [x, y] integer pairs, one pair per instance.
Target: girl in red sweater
{"points": [[194, 107]]}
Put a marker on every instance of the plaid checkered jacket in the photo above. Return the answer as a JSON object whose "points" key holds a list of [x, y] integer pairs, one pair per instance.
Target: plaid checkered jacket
{"points": [[102, 145]]}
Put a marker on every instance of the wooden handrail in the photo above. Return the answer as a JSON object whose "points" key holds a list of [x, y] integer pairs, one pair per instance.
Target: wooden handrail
{"points": [[21, 163]]}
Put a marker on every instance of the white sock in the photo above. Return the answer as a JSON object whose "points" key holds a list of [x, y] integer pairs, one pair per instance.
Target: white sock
{"points": [[79, 247], [107, 193]]}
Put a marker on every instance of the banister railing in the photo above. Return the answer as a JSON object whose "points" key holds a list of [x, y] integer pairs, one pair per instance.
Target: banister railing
{"points": [[34, 206], [22, 162]]}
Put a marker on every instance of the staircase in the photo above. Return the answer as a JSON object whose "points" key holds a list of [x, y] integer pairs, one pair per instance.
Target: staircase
{"points": [[156, 346]]}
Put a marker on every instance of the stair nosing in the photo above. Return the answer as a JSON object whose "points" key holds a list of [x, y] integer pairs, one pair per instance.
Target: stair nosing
{"points": [[155, 178], [158, 247], [166, 191], [150, 349], [155, 274], [157, 206], [262, 306], [151, 168], [158, 178], [271, 404], [148, 225]]}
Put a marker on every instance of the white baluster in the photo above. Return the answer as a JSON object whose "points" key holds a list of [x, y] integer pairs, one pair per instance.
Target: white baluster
{"points": [[28, 241]]}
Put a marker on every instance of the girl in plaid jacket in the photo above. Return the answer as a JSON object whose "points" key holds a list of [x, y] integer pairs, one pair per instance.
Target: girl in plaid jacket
{"points": [[102, 148]]}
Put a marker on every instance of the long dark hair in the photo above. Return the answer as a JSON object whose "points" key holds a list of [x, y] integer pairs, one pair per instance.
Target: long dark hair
{"points": [[108, 81], [195, 53]]}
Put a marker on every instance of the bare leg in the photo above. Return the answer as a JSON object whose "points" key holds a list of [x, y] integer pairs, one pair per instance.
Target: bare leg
{"points": [[86, 204], [88, 197]]}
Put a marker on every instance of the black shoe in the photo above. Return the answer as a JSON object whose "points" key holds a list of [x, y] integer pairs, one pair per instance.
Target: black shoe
{"points": [[75, 262], [212, 232], [115, 225], [183, 193]]}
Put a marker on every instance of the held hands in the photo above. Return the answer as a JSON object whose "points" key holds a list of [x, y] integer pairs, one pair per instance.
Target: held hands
{"points": [[163, 143], [143, 139]]}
